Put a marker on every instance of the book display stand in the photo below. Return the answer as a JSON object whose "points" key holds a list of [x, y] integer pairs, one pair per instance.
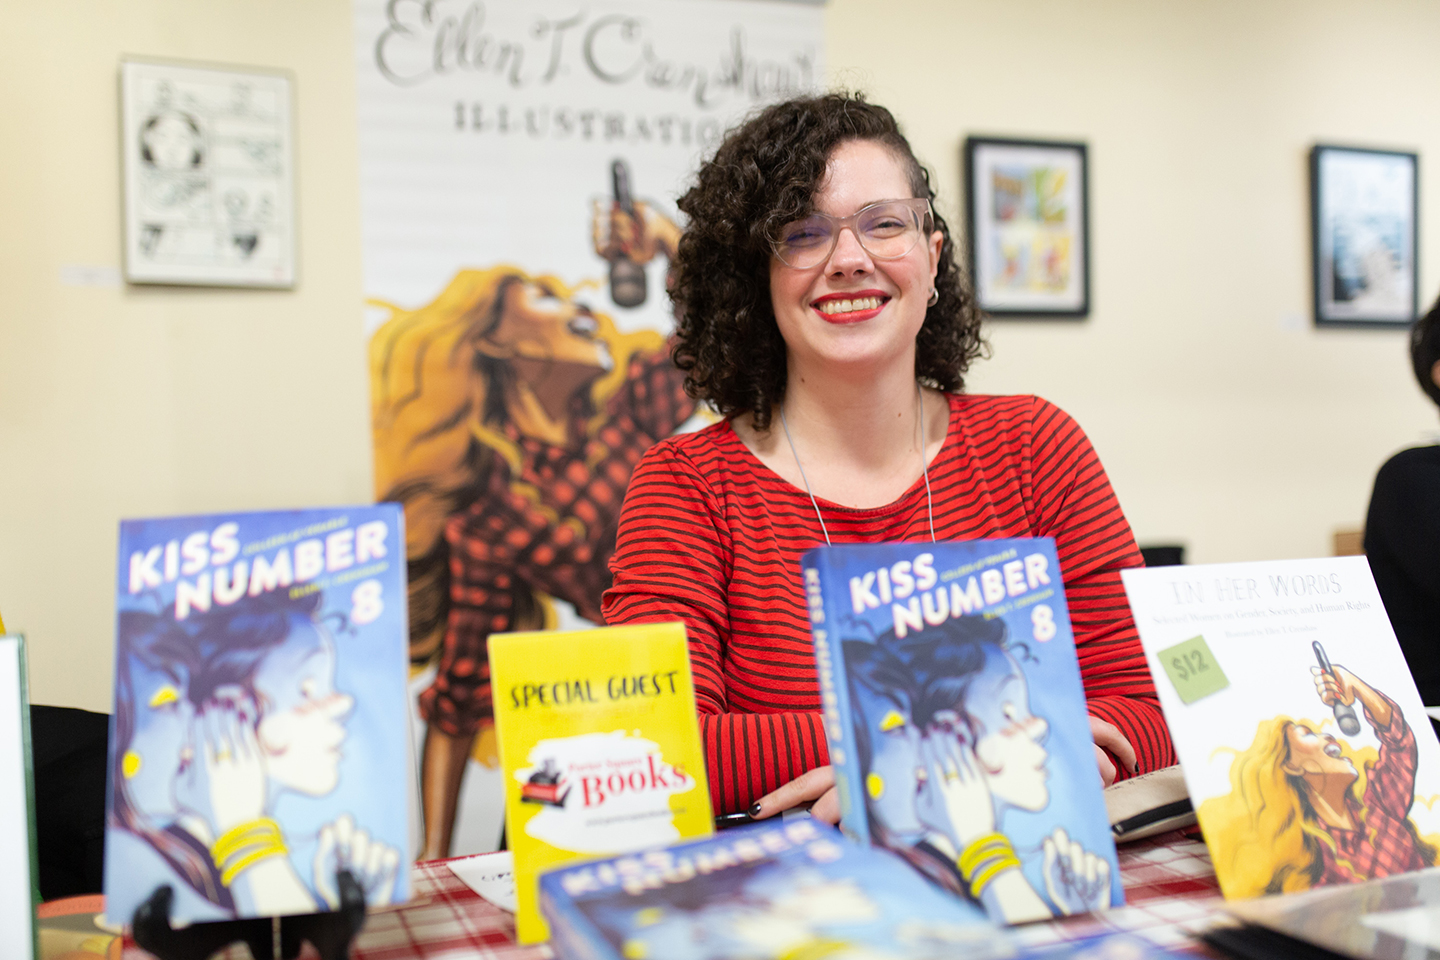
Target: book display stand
{"points": [[330, 933]]}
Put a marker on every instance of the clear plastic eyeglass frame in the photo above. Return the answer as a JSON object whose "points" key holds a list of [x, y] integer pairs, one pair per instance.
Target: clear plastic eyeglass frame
{"points": [[886, 229]]}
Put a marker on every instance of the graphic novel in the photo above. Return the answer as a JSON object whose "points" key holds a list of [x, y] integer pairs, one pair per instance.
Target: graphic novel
{"points": [[1306, 749], [781, 889], [600, 747], [956, 720], [258, 738]]}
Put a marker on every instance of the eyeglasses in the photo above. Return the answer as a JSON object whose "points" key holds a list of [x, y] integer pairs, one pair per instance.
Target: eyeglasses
{"points": [[887, 230]]}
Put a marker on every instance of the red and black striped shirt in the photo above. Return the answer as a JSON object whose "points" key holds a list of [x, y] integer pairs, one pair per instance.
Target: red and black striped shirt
{"points": [[712, 537]]}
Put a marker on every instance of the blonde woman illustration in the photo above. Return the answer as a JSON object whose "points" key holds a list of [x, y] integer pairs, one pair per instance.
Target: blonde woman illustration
{"points": [[508, 415], [1307, 809]]}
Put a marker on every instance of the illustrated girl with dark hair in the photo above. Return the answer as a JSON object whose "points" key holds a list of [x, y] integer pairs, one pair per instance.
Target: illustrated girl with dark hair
{"points": [[947, 743], [217, 716]]}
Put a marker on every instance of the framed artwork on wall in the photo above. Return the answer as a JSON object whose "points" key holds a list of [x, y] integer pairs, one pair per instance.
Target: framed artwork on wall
{"points": [[1029, 239], [1364, 214], [209, 175]]}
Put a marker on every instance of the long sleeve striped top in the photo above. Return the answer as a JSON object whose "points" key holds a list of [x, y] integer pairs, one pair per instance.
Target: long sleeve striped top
{"points": [[712, 537]]}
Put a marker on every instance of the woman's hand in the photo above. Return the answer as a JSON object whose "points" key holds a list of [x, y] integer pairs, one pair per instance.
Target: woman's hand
{"points": [[225, 785], [344, 846], [1107, 736], [816, 785], [1077, 880], [955, 800]]}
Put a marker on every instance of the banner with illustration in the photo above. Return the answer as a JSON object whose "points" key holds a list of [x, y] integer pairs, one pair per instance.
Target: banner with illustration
{"points": [[520, 164]]}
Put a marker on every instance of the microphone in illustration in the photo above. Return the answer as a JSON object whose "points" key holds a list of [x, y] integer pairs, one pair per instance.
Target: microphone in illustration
{"points": [[1344, 713], [627, 278]]}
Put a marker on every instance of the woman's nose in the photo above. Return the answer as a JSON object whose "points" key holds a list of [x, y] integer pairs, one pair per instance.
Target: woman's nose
{"points": [[849, 256]]}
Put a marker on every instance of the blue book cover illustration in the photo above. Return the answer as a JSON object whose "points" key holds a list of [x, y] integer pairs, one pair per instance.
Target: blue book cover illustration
{"points": [[781, 889], [956, 720], [258, 737]]}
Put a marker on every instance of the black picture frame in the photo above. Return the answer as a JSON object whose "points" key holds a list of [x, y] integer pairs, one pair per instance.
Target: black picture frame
{"points": [[1027, 207], [1364, 236]]}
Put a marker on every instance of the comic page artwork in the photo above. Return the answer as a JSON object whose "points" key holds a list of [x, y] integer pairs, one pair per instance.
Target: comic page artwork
{"points": [[1306, 749], [520, 167], [957, 724], [257, 742], [209, 195]]}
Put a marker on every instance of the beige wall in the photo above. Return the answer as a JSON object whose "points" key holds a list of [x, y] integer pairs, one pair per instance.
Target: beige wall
{"points": [[1225, 420], [121, 403]]}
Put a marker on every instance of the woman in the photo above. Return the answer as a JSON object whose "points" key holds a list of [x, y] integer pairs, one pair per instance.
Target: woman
{"points": [[1299, 814], [217, 717], [507, 417], [818, 292], [945, 735]]}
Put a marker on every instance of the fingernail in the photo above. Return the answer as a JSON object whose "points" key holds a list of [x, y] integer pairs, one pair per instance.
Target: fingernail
{"points": [[755, 809]]}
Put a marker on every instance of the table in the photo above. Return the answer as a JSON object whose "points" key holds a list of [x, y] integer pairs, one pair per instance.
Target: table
{"points": [[1170, 892]]}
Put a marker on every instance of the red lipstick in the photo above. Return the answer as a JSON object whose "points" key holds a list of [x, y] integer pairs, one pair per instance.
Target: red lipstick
{"points": [[854, 307]]}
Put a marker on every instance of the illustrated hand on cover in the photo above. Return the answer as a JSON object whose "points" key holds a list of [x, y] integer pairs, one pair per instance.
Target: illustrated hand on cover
{"points": [[1077, 880], [954, 801], [224, 781], [372, 863]]}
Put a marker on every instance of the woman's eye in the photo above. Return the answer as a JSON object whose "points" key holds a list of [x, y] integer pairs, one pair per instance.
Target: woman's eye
{"points": [[805, 234], [1012, 712], [309, 689]]}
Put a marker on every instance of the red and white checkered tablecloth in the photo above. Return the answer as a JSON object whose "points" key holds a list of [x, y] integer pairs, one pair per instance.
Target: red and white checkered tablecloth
{"points": [[1171, 895], [1170, 892]]}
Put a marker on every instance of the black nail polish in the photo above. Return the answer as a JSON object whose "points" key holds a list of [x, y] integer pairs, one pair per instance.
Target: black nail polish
{"points": [[755, 809]]}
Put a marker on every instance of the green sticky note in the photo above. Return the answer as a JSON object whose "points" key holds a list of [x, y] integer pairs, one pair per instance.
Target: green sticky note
{"points": [[1193, 669]]}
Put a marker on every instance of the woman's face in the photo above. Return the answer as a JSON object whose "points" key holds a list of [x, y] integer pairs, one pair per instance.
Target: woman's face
{"points": [[823, 332], [1315, 754], [537, 324], [1009, 738], [895, 774], [155, 752], [301, 713]]}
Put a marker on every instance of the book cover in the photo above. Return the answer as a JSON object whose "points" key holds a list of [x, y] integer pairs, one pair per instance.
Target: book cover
{"points": [[782, 889], [600, 748], [1306, 750], [956, 720], [20, 867], [259, 733]]}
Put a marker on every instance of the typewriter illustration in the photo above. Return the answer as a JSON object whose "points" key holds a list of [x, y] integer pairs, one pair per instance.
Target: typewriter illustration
{"points": [[545, 786]]}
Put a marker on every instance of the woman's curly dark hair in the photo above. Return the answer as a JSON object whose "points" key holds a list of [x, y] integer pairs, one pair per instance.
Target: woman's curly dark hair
{"points": [[763, 176]]}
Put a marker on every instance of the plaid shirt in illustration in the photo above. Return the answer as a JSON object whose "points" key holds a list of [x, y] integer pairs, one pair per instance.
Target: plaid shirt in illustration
{"points": [[1383, 842], [548, 527]]}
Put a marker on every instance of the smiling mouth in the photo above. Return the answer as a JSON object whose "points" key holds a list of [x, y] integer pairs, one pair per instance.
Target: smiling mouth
{"points": [[1332, 750], [850, 309]]}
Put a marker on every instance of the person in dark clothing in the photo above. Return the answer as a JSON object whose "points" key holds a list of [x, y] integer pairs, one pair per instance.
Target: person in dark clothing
{"points": [[1402, 529]]}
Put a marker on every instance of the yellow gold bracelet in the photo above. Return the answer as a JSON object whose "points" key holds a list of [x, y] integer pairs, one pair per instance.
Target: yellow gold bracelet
{"points": [[981, 850], [249, 860], [991, 870], [262, 831]]}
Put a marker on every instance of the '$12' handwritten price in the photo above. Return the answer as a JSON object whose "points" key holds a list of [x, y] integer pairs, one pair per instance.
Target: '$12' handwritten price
{"points": [[1189, 664]]}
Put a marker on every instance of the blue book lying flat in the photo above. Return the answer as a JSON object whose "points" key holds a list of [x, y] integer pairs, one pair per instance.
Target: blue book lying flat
{"points": [[777, 889]]}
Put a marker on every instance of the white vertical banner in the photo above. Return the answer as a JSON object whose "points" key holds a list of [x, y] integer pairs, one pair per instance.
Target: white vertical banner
{"points": [[488, 130], [520, 163]]}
